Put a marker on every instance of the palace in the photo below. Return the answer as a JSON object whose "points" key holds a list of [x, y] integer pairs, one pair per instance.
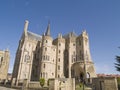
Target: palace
{"points": [[41, 56]]}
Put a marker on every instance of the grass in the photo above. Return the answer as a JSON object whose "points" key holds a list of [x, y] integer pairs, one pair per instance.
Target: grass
{"points": [[78, 87]]}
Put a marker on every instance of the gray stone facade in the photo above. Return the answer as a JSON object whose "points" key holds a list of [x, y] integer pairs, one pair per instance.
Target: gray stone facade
{"points": [[41, 56]]}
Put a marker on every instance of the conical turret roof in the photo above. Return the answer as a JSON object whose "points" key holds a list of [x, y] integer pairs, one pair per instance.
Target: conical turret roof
{"points": [[48, 30]]}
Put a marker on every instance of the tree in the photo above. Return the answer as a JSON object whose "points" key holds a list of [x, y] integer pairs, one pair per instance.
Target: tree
{"points": [[117, 64], [42, 82]]}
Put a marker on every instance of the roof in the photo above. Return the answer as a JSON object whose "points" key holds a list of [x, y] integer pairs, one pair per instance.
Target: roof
{"points": [[34, 36], [48, 30], [71, 34]]}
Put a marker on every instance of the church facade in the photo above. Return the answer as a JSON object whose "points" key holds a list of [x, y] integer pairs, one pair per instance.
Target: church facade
{"points": [[41, 56]]}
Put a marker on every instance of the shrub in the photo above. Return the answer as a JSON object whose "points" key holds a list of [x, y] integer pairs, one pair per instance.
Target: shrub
{"points": [[42, 82]]}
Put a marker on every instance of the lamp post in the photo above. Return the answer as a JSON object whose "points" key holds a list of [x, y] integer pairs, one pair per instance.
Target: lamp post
{"points": [[83, 84]]}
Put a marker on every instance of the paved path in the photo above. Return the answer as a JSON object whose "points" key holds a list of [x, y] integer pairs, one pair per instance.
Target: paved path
{"points": [[4, 88]]}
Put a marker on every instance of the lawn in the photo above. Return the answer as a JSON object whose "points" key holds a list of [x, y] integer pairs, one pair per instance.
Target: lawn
{"points": [[80, 87]]}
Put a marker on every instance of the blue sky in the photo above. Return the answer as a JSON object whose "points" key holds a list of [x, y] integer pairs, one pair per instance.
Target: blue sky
{"points": [[101, 19]]}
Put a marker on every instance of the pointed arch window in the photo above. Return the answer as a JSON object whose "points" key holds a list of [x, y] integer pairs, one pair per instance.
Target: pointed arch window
{"points": [[74, 53], [58, 76], [59, 51], [45, 48], [58, 59], [41, 75], [52, 74], [80, 42], [27, 58], [59, 44], [43, 57], [73, 44], [44, 65], [1, 60], [58, 67]]}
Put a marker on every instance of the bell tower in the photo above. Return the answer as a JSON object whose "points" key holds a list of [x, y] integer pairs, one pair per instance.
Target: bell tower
{"points": [[48, 60], [84, 66]]}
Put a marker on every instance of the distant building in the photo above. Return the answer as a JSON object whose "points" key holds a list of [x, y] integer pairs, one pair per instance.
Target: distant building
{"points": [[108, 75], [4, 64], [39, 56]]}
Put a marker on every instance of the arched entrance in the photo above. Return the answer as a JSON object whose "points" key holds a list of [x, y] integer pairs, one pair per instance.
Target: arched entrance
{"points": [[81, 77], [77, 72], [88, 77]]}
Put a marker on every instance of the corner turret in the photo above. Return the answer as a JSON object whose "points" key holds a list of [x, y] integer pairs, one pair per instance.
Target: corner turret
{"points": [[26, 27]]}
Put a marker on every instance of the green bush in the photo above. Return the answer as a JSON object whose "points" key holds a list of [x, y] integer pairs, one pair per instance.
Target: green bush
{"points": [[81, 85], [42, 82]]}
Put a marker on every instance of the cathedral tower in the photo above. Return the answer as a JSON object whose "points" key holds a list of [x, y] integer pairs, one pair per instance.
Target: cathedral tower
{"points": [[71, 50], [48, 58], [60, 44], [84, 66]]}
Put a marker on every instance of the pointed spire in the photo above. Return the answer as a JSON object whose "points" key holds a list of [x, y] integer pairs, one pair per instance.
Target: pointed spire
{"points": [[84, 31], [7, 49], [59, 35], [48, 29], [26, 27]]}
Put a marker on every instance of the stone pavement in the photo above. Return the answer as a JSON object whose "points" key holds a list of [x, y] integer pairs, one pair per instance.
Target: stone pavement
{"points": [[5, 88]]}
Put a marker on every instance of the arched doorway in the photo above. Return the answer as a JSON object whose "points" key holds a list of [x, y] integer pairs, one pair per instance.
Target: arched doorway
{"points": [[77, 72], [88, 77], [81, 77]]}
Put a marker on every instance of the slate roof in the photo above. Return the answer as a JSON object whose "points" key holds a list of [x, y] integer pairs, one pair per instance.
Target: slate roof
{"points": [[71, 34], [34, 36]]}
